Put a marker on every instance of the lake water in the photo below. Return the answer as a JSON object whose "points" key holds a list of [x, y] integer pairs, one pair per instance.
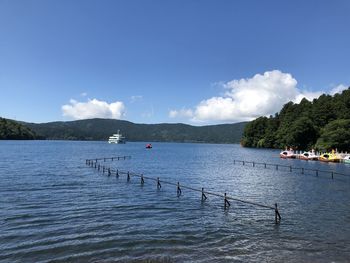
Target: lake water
{"points": [[55, 208]]}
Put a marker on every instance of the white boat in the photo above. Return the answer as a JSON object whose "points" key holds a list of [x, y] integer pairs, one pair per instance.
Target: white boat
{"points": [[116, 138], [287, 154], [310, 155], [346, 159]]}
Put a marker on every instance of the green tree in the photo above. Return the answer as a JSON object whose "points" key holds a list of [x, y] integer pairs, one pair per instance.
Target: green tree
{"points": [[335, 135]]}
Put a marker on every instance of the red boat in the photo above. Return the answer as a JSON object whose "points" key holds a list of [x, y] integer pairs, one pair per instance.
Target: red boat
{"points": [[149, 146]]}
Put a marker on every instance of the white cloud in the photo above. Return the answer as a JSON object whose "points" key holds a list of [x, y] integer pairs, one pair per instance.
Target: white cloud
{"points": [[338, 89], [246, 99], [187, 113], [93, 109], [136, 98]]}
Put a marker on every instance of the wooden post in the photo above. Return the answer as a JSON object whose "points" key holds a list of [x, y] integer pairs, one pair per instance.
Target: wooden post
{"points": [[98, 167], [104, 159], [302, 170], [290, 168], [109, 171], [243, 162], [234, 161], [332, 176], [276, 166], [253, 164], [128, 178], [103, 169], [277, 215], [265, 165], [117, 174], [112, 159], [142, 180], [178, 190], [204, 197], [95, 165], [158, 184], [226, 202]]}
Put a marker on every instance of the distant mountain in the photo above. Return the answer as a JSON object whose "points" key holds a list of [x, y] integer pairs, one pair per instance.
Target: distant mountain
{"points": [[101, 129], [12, 130]]}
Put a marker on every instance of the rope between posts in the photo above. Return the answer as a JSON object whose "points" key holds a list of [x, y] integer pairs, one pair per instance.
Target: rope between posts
{"points": [[289, 167], [195, 189], [94, 164]]}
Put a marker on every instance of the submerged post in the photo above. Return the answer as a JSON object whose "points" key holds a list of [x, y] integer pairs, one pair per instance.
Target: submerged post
{"points": [[302, 170], [128, 178], [178, 191], [204, 197], [109, 171], [277, 215], [316, 172], [276, 166], [265, 165], [158, 184], [142, 180], [290, 168], [117, 174], [226, 202], [332, 175]]}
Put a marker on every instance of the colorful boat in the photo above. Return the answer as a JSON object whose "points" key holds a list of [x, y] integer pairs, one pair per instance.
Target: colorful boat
{"points": [[346, 159], [148, 146], [330, 157]]}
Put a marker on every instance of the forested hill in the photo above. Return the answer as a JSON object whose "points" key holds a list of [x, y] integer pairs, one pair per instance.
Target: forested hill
{"points": [[323, 124], [101, 129], [12, 130]]}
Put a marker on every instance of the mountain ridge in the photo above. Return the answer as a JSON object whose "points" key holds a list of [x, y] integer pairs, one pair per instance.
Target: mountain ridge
{"points": [[101, 129]]}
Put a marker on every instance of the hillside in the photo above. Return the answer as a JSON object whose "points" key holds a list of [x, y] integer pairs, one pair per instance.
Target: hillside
{"points": [[322, 124], [101, 129], [12, 130]]}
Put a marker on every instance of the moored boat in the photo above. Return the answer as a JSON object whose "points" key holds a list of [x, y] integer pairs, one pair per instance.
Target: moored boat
{"points": [[287, 154], [310, 155], [329, 157], [346, 159], [148, 146]]}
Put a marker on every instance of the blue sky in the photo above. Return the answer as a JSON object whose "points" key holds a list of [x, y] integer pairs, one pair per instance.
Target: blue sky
{"points": [[197, 62]]}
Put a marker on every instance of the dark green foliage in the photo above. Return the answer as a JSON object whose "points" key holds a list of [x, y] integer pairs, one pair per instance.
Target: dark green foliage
{"points": [[324, 120], [101, 129], [335, 135], [12, 130]]}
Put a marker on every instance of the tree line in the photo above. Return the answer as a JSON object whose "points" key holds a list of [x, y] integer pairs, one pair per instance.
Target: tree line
{"points": [[322, 124], [12, 130]]}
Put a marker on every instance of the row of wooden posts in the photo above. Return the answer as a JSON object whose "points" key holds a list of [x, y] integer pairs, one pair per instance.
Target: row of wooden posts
{"points": [[289, 168], [94, 163]]}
